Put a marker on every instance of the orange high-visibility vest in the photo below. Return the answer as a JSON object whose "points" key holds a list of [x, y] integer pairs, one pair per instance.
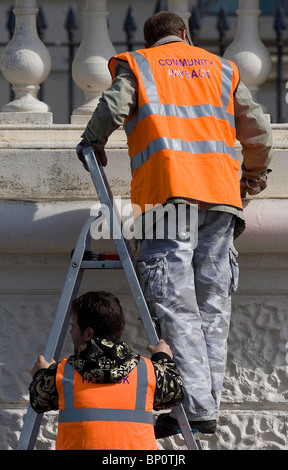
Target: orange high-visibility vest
{"points": [[106, 416], [182, 137]]}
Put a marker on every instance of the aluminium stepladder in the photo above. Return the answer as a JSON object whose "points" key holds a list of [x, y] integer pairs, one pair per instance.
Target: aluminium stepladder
{"points": [[81, 260]]}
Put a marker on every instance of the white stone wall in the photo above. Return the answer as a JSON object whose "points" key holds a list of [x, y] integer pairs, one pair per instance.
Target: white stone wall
{"points": [[46, 197]]}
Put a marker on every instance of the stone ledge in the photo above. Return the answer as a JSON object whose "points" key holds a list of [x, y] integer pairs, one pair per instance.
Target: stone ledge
{"points": [[46, 136], [56, 173], [266, 226], [31, 119], [46, 227], [39, 163], [56, 132], [26, 135]]}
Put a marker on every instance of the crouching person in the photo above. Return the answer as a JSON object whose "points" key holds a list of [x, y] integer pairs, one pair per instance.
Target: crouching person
{"points": [[105, 392]]}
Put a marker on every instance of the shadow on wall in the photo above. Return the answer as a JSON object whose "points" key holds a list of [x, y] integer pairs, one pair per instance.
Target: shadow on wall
{"points": [[33, 227]]}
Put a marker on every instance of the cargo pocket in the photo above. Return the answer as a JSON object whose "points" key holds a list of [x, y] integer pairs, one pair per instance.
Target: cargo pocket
{"points": [[233, 254], [153, 276]]}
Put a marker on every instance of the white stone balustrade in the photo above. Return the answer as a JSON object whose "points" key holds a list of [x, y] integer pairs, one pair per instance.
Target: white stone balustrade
{"points": [[247, 50], [25, 63], [90, 71]]}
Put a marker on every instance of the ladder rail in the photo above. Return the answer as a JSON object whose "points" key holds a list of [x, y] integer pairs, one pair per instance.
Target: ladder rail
{"points": [[106, 198], [32, 420]]}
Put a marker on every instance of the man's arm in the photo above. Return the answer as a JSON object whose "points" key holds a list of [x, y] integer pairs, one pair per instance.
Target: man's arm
{"points": [[255, 135], [116, 103], [169, 384], [42, 390]]}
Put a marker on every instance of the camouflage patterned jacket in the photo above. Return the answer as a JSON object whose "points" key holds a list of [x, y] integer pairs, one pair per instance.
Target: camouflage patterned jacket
{"points": [[104, 362]]}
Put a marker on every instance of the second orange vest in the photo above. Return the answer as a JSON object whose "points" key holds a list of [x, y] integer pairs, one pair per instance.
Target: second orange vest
{"points": [[182, 137], [106, 416]]}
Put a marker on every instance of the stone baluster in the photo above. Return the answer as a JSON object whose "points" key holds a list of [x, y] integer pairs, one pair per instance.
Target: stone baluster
{"points": [[181, 8], [247, 49], [25, 63], [89, 70]]}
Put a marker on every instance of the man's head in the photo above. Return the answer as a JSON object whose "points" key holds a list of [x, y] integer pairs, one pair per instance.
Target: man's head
{"points": [[163, 24], [96, 315]]}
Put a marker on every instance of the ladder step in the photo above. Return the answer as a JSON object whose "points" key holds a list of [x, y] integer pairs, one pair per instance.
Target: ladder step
{"points": [[98, 260], [112, 264], [92, 255]]}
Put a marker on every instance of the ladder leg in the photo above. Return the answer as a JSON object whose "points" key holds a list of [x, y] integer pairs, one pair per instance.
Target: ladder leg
{"points": [[59, 329], [69, 292], [105, 196], [30, 430]]}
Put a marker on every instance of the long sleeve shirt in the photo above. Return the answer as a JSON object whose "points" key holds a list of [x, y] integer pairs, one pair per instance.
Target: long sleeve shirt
{"points": [[169, 384]]}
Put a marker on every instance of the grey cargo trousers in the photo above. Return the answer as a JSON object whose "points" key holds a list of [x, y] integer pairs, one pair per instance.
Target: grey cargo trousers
{"points": [[187, 282]]}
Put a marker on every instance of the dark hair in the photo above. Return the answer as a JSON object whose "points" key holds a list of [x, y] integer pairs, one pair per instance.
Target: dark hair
{"points": [[162, 24], [102, 312]]}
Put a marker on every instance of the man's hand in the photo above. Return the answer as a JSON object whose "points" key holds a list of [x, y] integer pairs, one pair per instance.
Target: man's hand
{"points": [[41, 363], [253, 187], [80, 154], [162, 346], [100, 154]]}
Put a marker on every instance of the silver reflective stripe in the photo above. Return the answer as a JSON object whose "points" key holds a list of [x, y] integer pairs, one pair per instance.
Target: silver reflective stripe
{"points": [[227, 75], [155, 107], [67, 382], [147, 76], [84, 414], [70, 414], [204, 110], [210, 146], [142, 385]]}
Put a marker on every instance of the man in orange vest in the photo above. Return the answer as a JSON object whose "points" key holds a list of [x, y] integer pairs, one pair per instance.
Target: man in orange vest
{"points": [[105, 392], [182, 109]]}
